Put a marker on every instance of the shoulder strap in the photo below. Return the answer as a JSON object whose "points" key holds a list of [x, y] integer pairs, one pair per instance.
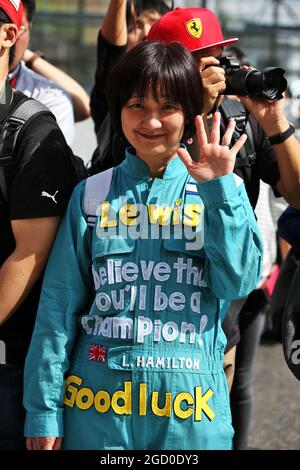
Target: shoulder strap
{"points": [[28, 108], [22, 114], [3, 187], [235, 109], [96, 190]]}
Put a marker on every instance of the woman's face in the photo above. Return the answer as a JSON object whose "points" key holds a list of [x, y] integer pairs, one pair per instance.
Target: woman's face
{"points": [[139, 29], [153, 128]]}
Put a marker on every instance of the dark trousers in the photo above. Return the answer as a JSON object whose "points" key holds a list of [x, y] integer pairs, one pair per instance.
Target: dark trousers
{"points": [[12, 413], [251, 324]]}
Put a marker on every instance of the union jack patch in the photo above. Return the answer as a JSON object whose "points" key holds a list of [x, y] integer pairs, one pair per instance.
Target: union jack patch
{"points": [[97, 353]]}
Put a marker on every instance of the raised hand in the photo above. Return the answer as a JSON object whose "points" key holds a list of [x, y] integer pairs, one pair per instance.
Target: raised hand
{"points": [[268, 113], [215, 159], [213, 80]]}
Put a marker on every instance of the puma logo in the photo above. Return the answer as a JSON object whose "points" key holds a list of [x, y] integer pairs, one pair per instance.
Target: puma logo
{"points": [[45, 194]]}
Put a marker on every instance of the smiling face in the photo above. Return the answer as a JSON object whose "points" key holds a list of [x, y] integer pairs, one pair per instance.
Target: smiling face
{"points": [[154, 93], [154, 127]]}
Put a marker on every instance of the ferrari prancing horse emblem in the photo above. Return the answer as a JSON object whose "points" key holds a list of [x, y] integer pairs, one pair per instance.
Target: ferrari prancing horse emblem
{"points": [[194, 27]]}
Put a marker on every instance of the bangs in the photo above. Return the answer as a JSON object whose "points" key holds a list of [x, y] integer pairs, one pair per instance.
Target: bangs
{"points": [[159, 81], [163, 73]]}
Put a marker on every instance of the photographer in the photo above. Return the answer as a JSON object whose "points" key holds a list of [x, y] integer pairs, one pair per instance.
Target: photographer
{"points": [[277, 150]]}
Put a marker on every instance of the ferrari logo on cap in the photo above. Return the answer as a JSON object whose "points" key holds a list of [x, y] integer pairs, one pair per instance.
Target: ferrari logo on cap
{"points": [[194, 27]]}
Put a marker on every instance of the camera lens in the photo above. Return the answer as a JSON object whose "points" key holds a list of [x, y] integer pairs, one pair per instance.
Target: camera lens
{"points": [[268, 84], [273, 84]]}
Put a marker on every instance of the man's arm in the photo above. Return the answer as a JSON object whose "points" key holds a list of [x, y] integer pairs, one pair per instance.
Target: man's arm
{"points": [[111, 45], [80, 98], [25, 265], [114, 27], [269, 114]]}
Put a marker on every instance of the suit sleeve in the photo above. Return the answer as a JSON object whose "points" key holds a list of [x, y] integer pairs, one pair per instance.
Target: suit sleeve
{"points": [[232, 240]]}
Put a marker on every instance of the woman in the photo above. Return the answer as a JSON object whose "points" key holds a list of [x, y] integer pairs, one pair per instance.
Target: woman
{"points": [[131, 311]]}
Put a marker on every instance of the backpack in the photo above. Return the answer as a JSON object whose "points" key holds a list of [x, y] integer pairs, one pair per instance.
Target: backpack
{"points": [[11, 129], [281, 291], [285, 311]]}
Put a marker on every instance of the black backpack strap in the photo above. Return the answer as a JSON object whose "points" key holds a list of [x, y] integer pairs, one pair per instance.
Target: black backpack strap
{"points": [[26, 110], [3, 187], [247, 155], [15, 122], [235, 109]]}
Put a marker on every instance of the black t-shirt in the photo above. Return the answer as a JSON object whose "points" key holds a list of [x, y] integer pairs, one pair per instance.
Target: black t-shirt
{"points": [[107, 55], [40, 182]]}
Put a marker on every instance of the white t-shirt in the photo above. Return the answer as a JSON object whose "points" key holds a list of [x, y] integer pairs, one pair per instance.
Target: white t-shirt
{"points": [[268, 210], [48, 93]]}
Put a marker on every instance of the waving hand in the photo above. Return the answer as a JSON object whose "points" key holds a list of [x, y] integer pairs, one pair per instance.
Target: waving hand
{"points": [[215, 159]]}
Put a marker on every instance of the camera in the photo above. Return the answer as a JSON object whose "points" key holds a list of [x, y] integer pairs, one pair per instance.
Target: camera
{"points": [[266, 84]]}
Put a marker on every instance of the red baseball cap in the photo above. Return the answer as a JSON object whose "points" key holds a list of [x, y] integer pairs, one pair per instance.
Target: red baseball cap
{"points": [[195, 28], [13, 9]]}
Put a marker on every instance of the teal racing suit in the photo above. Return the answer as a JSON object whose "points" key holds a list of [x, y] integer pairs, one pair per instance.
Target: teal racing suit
{"points": [[127, 351]]}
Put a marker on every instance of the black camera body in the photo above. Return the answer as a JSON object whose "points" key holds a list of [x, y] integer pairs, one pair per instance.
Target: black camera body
{"points": [[267, 84]]}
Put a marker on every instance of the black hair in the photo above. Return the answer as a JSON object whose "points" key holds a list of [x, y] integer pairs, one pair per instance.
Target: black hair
{"points": [[4, 18], [169, 67], [136, 7], [29, 6]]}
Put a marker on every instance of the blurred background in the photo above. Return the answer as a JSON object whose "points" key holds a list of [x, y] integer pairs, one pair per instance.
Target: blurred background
{"points": [[269, 32]]}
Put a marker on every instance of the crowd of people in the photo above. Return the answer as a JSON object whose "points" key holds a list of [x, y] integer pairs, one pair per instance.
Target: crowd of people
{"points": [[132, 302]]}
